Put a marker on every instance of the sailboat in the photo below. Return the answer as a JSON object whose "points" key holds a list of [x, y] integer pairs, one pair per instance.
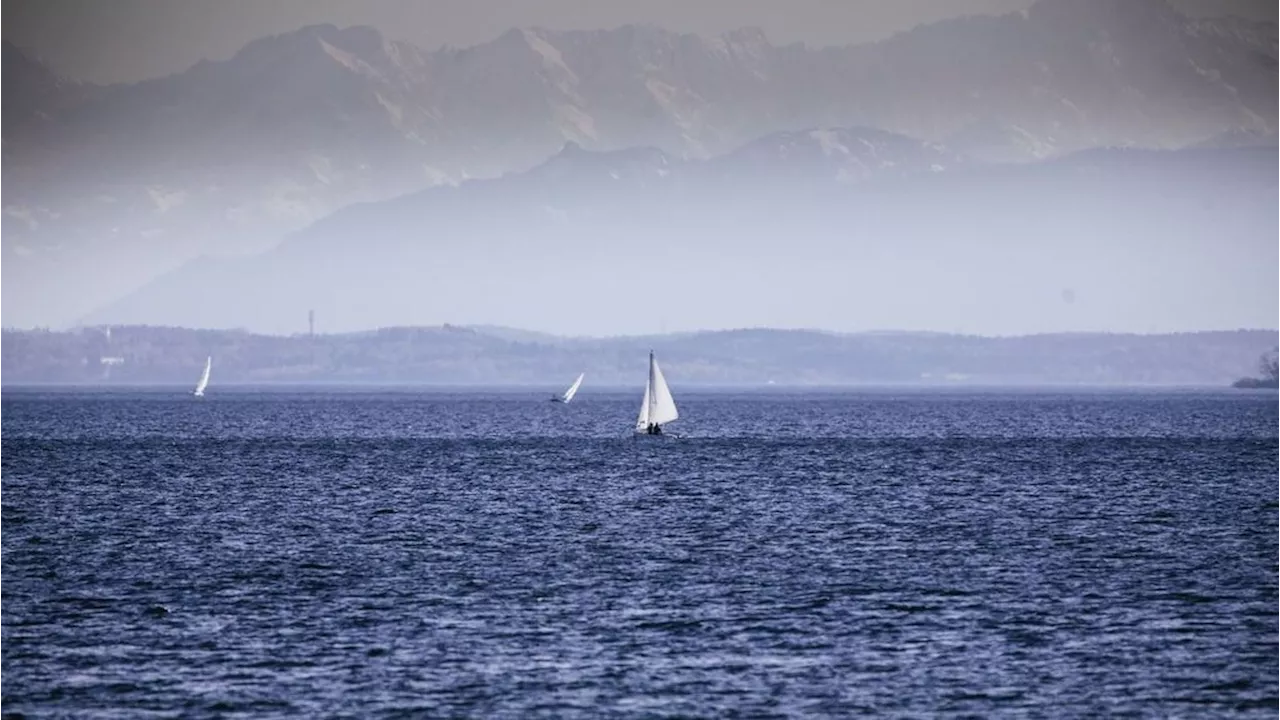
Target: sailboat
{"points": [[658, 407], [568, 394], [204, 378]]}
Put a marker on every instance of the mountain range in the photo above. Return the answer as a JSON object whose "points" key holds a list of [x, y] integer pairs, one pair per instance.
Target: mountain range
{"points": [[111, 186], [847, 229]]}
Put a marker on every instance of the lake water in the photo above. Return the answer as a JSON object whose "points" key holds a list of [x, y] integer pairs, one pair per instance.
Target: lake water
{"points": [[317, 553]]}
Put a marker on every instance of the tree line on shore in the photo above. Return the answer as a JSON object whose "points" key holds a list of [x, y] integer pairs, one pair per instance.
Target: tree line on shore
{"points": [[453, 355]]}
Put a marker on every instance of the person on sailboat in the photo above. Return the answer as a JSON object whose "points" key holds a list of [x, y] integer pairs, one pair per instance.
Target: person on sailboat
{"points": [[654, 429]]}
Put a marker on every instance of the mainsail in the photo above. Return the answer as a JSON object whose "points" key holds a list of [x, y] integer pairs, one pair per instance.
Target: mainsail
{"points": [[573, 389], [658, 407], [204, 378]]}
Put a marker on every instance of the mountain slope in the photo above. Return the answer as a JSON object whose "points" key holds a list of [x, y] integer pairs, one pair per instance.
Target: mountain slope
{"points": [[1087, 73], [227, 157], [35, 95], [784, 232]]}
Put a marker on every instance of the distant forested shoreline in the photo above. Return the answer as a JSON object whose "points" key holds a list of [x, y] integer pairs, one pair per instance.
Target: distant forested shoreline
{"points": [[455, 355]]}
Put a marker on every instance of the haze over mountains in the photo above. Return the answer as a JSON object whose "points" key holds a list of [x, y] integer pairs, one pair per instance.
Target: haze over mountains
{"points": [[726, 181], [787, 232]]}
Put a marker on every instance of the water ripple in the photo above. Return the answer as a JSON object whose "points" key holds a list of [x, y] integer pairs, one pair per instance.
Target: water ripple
{"points": [[394, 555]]}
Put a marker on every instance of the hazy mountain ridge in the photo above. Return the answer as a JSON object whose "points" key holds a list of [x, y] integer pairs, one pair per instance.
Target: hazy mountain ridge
{"points": [[35, 95], [532, 89], [454, 355], [228, 156], [586, 229]]}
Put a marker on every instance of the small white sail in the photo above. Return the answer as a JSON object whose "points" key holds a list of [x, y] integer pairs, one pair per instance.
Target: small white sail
{"points": [[662, 407], [204, 378], [643, 421], [658, 407], [573, 389]]}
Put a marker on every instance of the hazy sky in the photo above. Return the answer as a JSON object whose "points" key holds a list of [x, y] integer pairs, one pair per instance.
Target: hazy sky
{"points": [[126, 40]]}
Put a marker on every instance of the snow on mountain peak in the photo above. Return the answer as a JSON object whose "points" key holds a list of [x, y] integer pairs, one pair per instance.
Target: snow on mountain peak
{"points": [[296, 125]]}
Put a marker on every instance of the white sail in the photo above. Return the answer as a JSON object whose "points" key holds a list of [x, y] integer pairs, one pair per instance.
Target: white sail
{"points": [[204, 378], [573, 389], [643, 421], [658, 405], [662, 407]]}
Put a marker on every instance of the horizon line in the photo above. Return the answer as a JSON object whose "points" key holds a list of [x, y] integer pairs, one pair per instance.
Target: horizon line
{"points": [[495, 330], [240, 387]]}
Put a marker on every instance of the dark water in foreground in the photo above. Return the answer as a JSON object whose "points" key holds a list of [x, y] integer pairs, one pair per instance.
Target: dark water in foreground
{"points": [[426, 554]]}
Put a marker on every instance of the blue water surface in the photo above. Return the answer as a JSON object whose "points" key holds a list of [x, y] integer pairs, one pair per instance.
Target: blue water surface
{"points": [[423, 553]]}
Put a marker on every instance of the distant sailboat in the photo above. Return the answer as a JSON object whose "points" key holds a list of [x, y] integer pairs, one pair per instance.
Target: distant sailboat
{"points": [[658, 407], [568, 394], [204, 378]]}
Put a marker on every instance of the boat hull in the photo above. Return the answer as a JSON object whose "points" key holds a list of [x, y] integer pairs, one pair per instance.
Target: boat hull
{"points": [[646, 437]]}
